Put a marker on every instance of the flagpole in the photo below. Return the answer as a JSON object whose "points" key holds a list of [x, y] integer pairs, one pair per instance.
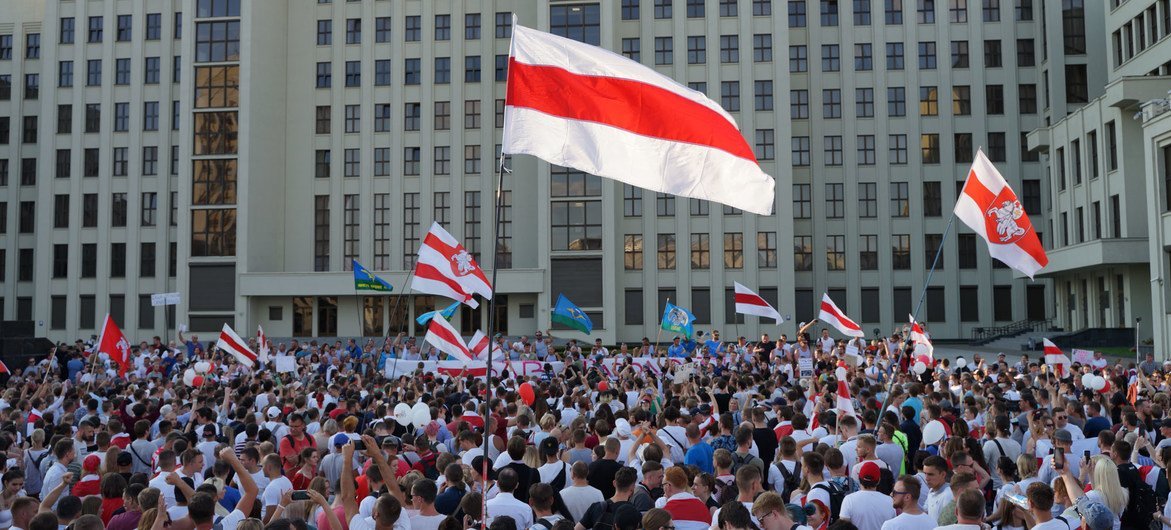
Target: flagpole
{"points": [[934, 262], [660, 334], [498, 208], [398, 302]]}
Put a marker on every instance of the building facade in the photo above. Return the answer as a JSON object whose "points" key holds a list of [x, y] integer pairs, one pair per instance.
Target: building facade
{"points": [[244, 153], [1105, 164]]}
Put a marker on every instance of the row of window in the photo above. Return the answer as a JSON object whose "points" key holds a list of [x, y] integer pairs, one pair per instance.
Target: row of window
{"points": [[1141, 32], [733, 249], [831, 60], [925, 10], [897, 151], [412, 71], [118, 208], [92, 120], [95, 34], [931, 200], [412, 28], [896, 100], [1091, 164], [88, 264], [873, 300], [151, 72], [87, 311], [352, 162], [1096, 219]]}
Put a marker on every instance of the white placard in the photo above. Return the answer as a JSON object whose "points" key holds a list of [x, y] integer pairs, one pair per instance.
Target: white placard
{"points": [[1083, 356], [285, 363], [182, 328], [159, 299], [805, 366]]}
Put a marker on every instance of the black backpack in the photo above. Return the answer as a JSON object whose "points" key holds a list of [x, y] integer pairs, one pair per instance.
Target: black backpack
{"points": [[558, 482], [1142, 503], [836, 495], [739, 461], [791, 480], [606, 518]]}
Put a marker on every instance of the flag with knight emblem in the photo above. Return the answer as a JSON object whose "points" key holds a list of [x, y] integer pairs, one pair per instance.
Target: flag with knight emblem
{"points": [[989, 206], [114, 344], [569, 315], [446, 269], [678, 320]]}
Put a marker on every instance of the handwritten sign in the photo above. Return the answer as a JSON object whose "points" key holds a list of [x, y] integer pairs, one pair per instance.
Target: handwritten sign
{"points": [[805, 366], [285, 363], [1083, 356]]}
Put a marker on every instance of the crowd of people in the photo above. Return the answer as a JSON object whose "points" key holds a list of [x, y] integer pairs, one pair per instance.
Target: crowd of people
{"points": [[742, 437]]}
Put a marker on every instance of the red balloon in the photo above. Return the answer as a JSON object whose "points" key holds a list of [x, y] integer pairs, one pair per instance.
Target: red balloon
{"points": [[526, 394], [198, 381]]}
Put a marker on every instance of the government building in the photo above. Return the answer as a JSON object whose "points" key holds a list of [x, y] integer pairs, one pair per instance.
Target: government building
{"points": [[244, 152]]}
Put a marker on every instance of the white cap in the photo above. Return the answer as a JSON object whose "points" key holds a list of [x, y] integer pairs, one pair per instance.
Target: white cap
{"points": [[273, 412]]}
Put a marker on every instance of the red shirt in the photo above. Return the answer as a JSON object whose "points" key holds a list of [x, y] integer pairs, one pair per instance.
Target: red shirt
{"points": [[289, 452], [109, 506]]}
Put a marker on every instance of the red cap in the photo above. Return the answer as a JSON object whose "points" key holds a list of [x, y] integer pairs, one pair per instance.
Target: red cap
{"points": [[91, 463], [869, 473]]}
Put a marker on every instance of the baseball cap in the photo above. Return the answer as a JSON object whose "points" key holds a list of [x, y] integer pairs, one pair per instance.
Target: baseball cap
{"points": [[1095, 514], [273, 412], [869, 474], [1062, 435], [124, 458], [340, 439], [548, 446]]}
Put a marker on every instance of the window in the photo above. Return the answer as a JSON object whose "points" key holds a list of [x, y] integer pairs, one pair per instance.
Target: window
{"points": [[64, 119], [91, 162], [64, 163], [866, 150], [765, 144], [217, 41], [864, 102], [900, 201], [322, 163], [998, 149], [894, 56], [800, 151], [798, 59], [991, 10], [1025, 56], [442, 27], [146, 260], [959, 54], [95, 29], [1077, 85], [835, 201], [121, 117], [802, 201], [93, 72], [150, 116], [763, 95], [502, 68], [66, 31], [1028, 98], [154, 26], [799, 104], [762, 8], [901, 251], [695, 9], [581, 23], [867, 200], [412, 116], [442, 115], [150, 160], [829, 13], [833, 150], [32, 46], [992, 58], [632, 252], [733, 250], [472, 69], [353, 31], [382, 29], [324, 75], [926, 11], [729, 48], [631, 201], [896, 101], [150, 209], [1111, 147], [321, 233], [442, 70], [118, 260], [504, 25], [382, 72], [961, 100], [929, 144], [893, 12], [665, 253], [151, 70], [868, 252], [663, 8], [663, 50], [994, 99], [353, 118], [803, 253], [28, 217], [1059, 167], [472, 159], [730, 95], [442, 208], [412, 28], [796, 13], [1092, 153], [927, 56], [382, 162], [632, 49], [29, 133], [1024, 10], [664, 205], [728, 8], [61, 211], [928, 101], [1031, 195], [412, 70], [700, 251], [352, 163], [958, 12], [835, 253], [863, 57], [323, 116], [411, 161], [1073, 25], [630, 9], [353, 73], [178, 25], [830, 58], [861, 12]]}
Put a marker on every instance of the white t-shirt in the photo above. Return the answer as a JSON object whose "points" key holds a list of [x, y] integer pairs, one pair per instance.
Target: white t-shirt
{"points": [[426, 522], [274, 491], [906, 521], [867, 510], [1052, 524], [232, 520]]}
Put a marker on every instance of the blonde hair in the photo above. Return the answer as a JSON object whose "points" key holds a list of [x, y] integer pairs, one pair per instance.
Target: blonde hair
{"points": [[1026, 465], [531, 458], [1105, 481]]}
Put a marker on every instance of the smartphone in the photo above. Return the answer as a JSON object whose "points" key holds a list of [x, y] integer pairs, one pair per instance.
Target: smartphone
{"points": [[359, 445], [1086, 454], [300, 495], [1059, 460]]}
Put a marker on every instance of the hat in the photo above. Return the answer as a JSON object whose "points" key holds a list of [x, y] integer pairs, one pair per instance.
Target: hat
{"points": [[432, 429], [778, 402], [340, 439], [273, 412], [869, 474], [392, 441], [548, 446], [621, 428], [1063, 436], [1095, 514], [91, 464]]}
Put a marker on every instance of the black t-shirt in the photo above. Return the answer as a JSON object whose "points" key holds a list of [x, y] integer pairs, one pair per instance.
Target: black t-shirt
{"points": [[722, 400], [766, 443], [766, 349], [601, 476], [594, 512]]}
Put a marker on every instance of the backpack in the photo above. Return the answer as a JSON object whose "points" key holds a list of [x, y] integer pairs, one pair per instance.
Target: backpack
{"points": [[606, 518], [1140, 507], [558, 483], [426, 465], [739, 461], [791, 481], [886, 481], [544, 523], [836, 495]]}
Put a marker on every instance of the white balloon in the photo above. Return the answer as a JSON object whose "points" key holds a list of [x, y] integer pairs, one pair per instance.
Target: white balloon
{"points": [[920, 367], [933, 432], [202, 367], [420, 415], [189, 376], [840, 373], [961, 362], [1088, 380], [1099, 382]]}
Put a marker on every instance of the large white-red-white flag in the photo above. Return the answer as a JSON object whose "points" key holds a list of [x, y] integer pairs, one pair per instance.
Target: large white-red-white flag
{"points": [[113, 343], [750, 303], [990, 208], [444, 268], [262, 344], [232, 343], [580, 106], [924, 351], [843, 403], [1056, 358], [835, 317], [443, 336]]}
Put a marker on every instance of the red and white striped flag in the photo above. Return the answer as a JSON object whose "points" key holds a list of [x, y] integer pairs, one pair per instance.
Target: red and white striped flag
{"points": [[233, 344], [1056, 358], [584, 107], [830, 314], [478, 345], [924, 351], [444, 268], [750, 303], [442, 335], [114, 344], [262, 344], [845, 405], [990, 207]]}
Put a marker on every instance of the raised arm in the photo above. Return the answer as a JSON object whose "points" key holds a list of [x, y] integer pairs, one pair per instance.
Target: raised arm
{"points": [[807, 326], [373, 451], [347, 481], [51, 498]]}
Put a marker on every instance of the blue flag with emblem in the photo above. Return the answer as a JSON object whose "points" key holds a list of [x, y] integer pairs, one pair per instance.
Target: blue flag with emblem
{"points": [[447, 313], [569, 315], [678, 320], [366, 280]]}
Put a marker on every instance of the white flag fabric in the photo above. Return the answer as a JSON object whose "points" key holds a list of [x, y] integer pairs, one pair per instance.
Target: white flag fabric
{"points": [[843, 403], [1056, 358], [924, 351], [989, 207], [262, 344], [232, 343], [444, 268], [580, 106], [441, 335], [750, 303], [833, 316]]}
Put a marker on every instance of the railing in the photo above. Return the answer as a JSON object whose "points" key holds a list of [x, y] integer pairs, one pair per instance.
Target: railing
{"points": [[981, 336]]}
